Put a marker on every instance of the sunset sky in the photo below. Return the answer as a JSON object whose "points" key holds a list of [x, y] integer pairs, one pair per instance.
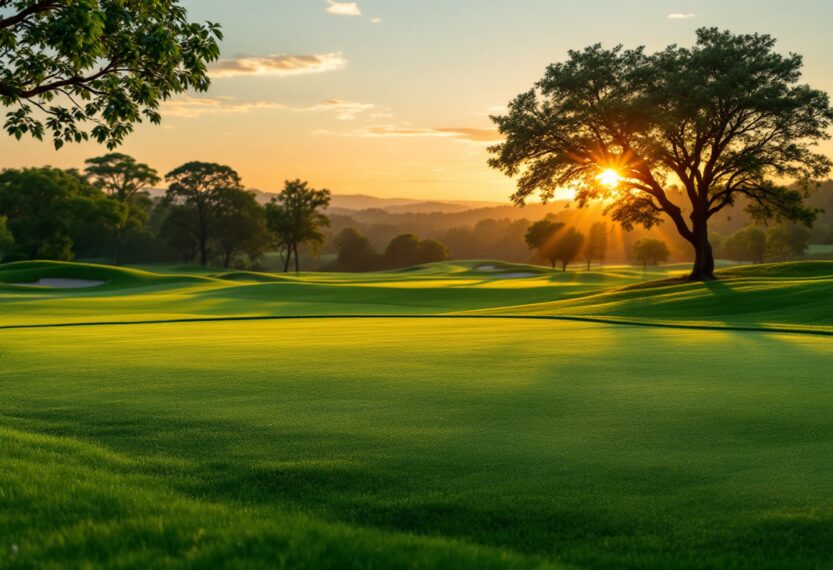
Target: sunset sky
{"points": [[392, 97]]}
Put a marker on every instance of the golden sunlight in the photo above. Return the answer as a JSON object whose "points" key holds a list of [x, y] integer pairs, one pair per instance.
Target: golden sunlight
{"points": [[609, 178]]}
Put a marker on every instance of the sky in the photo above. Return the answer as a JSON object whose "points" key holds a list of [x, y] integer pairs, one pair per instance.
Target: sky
{"points": [[392, 97]]}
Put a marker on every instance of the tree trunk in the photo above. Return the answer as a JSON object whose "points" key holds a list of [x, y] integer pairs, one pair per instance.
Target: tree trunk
{"points": [[563, 266], [588, 264], [703, 269], [288, 259], [295, 251]]}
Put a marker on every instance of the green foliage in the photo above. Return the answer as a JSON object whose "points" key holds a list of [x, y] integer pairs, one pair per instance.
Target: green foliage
{"points": [[124, 180], [107, 62], [355, 252], [51, 210], [120, 176], [747, 244], [200, 186], [407, 250], [555, 242], [786, 241], [649, 250], [240, 226], [294, 217], [6, 237], [723, 119]]}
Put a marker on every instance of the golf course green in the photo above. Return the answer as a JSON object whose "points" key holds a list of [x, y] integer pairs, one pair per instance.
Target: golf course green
{"points": [[454, 415]]}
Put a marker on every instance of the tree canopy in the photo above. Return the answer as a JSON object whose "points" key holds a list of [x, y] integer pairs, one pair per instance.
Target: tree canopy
{"points": [[686, 132], [649, 250], [125, 180], [49, 211], [199, 186], [105, 62], [295, 218]]}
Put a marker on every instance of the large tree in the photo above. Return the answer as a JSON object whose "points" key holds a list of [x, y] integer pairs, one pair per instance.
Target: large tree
{"points": [[200, 187], [66, 64], [682, 133], [541, 236], [240, 226], [126, 181], [295, 218]]}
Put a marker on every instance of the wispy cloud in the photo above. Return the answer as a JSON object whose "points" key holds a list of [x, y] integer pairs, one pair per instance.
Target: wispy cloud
{"points": [[681, 16], [343, 8], [375, 20], [407, 131], [344, 110], [278, 65], [475, 135], [191, 107]]}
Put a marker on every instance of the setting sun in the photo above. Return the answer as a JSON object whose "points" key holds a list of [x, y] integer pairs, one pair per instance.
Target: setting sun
{"points": [[609, 178]]}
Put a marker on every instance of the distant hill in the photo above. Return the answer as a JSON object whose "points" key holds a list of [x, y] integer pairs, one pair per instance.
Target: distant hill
{"points": [[341, 203]]}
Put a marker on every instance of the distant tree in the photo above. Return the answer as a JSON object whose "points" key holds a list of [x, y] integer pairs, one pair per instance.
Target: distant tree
{"points": [[6, 237], [49, 210], [295, 218], [786, 241], [567, 246], [126, 181], [649, 250], [199, 185], [109, 62], [724, 119], [432, 251], [355, 252], [461, 242], [239, 225], [407, 250], [402, 251], [596, 246], [746, 244], [541, 236]]}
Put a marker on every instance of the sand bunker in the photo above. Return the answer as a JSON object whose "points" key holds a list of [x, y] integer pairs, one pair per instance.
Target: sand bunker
{"points": [[59, 283]]}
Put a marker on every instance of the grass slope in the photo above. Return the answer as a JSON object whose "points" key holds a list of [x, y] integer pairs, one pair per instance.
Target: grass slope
{"points": [[472, 442], [786, 296], [412, 443]]}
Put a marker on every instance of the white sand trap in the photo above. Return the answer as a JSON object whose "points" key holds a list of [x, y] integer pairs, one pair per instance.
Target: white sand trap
{"points": [[486, 268], [59, 283], [519, 275]]}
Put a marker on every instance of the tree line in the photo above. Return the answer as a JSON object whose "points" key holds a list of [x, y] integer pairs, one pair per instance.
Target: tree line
{"points": [[205, 215]]}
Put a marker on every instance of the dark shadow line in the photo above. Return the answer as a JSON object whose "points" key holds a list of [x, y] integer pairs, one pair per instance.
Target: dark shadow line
{"points": [[597, 320]]}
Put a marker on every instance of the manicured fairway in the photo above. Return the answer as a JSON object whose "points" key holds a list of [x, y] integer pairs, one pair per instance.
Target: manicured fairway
{"points": [[369, 443], [790, 296]]}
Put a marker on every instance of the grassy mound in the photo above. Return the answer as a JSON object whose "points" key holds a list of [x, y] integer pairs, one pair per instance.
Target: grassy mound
{"points": [[782, 296], [23, 272]]}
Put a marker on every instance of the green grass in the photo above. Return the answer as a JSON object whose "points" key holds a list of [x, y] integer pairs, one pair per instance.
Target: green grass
{"points": [[475, 442]]}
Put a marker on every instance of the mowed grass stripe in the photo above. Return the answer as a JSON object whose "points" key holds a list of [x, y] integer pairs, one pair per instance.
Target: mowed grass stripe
{"points": [[394, 442]]}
